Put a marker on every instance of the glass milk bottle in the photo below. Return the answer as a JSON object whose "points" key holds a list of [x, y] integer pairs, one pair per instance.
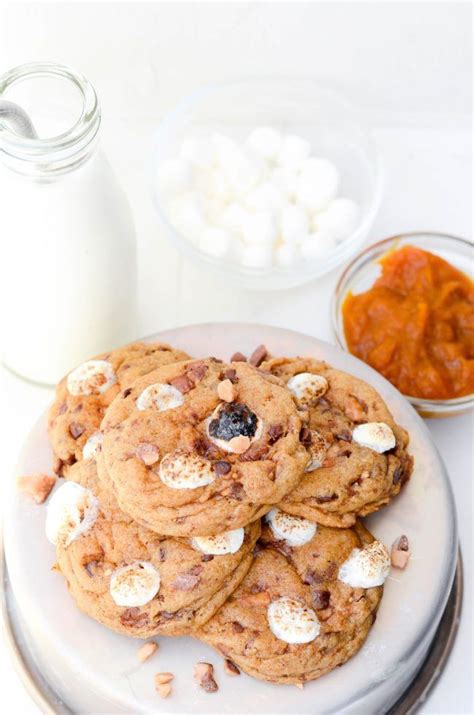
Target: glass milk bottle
{"points": [[67, 238]]}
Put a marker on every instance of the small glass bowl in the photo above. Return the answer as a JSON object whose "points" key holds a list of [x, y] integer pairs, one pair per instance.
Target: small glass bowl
{"points": [[365, 268], [298, 106]]}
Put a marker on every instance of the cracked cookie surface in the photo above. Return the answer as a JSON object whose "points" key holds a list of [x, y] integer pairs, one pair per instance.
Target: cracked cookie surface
{"points": [[348, 479], [332, 618], [180, 584], [73, 418], [218, 465]]}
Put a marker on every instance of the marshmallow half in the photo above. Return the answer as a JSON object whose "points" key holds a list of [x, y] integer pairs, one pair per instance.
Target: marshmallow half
{"points": [[367, 567], [91, 377], [71, 512], [293, 529], [292, 622], [135, 584], [374, 435], [181, 470], [159, 397], [229, 542], [307, 387]]}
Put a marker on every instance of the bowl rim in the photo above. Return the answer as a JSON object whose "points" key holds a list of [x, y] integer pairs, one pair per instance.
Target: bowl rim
{"points": [[307, 270], [368, 254]]}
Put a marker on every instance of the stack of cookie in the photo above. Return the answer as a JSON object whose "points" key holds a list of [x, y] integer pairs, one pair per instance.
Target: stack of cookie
{"points": [[224, 501]]}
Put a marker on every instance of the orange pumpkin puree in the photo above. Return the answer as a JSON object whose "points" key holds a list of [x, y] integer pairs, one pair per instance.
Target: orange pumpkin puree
{"points": [[416, 325]]}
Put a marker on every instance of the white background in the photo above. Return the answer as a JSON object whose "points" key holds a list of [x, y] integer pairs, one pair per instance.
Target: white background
{"points": [[408, 68]]}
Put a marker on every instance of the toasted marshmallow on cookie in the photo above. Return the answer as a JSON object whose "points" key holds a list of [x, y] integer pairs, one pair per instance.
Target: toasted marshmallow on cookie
{"points": [[374, 435], [182, 470], [233, 427], [159, 397], [292, 622], [91, 377], [229, 542], [72, 510], [307, 387], [293, 529], [367, 567], [93, 445], [317, 449], [135, 584]]}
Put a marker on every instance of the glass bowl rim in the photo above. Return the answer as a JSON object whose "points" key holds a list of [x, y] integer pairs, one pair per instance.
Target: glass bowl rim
{"points": [[370, 254]]}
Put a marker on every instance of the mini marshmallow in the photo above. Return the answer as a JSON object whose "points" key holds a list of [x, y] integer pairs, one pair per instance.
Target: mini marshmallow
{"points": [[71, 512], [293, 529], [317, 184], [285, 178], [340, 218], [318, 245], [181, 470], [265, 197], [265, 142], [317, 451], [242, 170], [291, 621], [260, 228], [256, 256], [286, 254], [92, 377], [294, 224], [229, 542], [135, 584], [367, 567], [93, 445], [159, 397], [234, 218], [307, 387], [294, 149], [174, 176], [198, 152], [187, 216], [374, 435], [215, 241]]}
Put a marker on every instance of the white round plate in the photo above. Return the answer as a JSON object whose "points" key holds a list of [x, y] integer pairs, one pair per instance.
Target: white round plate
{"points": [[95, 670]]}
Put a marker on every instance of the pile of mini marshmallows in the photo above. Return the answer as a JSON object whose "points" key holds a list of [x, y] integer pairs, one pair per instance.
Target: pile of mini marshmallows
{"points": [[260, 203]]}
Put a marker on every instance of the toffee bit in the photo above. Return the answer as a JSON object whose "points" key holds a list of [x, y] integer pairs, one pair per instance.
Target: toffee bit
{"points": [[147, 650], [204, 677]]}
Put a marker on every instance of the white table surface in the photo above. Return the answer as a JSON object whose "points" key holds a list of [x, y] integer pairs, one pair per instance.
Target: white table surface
{"points": [[412, 80]]}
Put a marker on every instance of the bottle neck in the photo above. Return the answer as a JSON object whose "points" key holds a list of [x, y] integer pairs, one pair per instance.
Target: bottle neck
{"points": [[48, 158]]}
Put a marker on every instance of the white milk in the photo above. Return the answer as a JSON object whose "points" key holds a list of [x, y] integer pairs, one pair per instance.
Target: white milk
{"points": [[68, 263]]}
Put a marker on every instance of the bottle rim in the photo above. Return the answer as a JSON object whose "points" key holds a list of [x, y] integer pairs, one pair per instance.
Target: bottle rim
{"points": [[67, 147]]}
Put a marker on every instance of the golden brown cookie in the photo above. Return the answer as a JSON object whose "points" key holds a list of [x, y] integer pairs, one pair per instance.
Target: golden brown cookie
{"points": [[131, 579], [295, 617], [83, 395], [200, 447], [359, 458]]}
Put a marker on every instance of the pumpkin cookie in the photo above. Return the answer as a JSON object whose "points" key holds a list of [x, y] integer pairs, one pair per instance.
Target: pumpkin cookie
{"points": [[83, 395], [200, 447], [306, 605], [131, 579], [358, 453]]}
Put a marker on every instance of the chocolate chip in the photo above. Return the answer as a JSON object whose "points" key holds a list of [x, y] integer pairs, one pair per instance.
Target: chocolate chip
{"points": [[402, 544], [222, 467], [207, 557], [75, 430], [182, 383], [321, 599], [305, 436], [345, 435], [62, 409], [274, 433], [161, 554], [127, 392], [91, 568], [255, 453], [397, 474], [326, 498], [187, 581], [237, 627], [133, 617], [238, 357], [230, 667], [231, 375], [196, 372], [258, 356], [237, 491]]}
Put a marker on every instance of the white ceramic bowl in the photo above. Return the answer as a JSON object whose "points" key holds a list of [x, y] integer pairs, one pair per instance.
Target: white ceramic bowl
{"points": [[298, 106]]}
